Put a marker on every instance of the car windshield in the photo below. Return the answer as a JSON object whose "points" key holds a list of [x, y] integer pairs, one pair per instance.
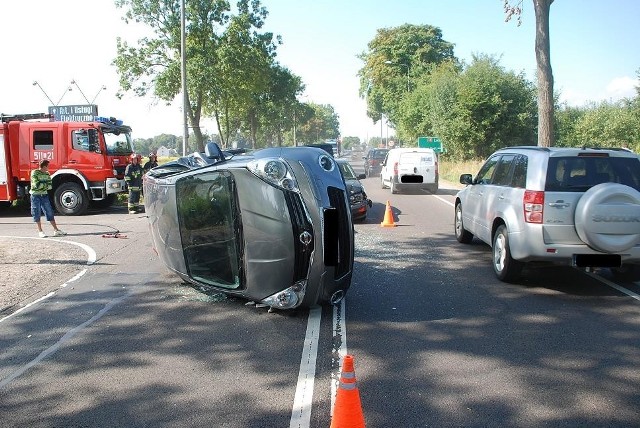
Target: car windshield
{"points": [[118, 143], [347, 171]]}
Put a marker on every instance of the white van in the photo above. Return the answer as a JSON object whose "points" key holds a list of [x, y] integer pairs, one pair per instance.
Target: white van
{"points": [[410, 168]]}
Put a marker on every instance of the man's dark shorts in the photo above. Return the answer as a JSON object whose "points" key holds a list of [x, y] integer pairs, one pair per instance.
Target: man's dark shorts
{"points": [[40, 204]]}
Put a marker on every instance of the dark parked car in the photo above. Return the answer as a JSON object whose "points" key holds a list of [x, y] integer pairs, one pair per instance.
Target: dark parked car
{"points": [[373, 161], [273, 226], [357, 196]]}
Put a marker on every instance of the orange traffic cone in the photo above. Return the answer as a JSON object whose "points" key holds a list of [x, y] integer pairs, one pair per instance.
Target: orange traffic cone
{"points": [[388, 217], [347, 411]]}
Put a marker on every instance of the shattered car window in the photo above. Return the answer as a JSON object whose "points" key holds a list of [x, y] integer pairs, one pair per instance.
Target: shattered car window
{"points": [[207, 212]]}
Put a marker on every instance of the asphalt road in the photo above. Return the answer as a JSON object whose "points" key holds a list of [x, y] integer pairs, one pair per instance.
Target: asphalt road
{"points": [[437, 340]]}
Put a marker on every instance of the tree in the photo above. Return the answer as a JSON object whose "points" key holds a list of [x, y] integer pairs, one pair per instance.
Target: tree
{"points": [[543, 60], [604, 124], [483, 109], [396, 57], [322, 125], [350, 142], [214, 36]]}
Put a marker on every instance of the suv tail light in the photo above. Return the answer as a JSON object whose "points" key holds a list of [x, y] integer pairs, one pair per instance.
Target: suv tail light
{"points": [[533, 204]]}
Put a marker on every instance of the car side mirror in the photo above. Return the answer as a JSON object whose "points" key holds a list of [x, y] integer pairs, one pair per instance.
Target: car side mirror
{"points": [[361, 176], [466, 179]]}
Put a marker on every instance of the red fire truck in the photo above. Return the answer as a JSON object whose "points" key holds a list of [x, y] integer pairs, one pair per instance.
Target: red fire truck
{"points": [[87, 159]]}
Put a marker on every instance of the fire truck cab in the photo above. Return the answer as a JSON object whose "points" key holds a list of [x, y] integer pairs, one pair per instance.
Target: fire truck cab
{"points": [[87, 159]]}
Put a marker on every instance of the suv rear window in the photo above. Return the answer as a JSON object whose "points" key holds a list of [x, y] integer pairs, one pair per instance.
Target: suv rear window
{"points": [[579, 174], [378, 154]]}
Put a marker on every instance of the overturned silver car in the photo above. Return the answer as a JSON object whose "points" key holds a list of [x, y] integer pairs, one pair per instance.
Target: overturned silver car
{"points": [[273, 226]]}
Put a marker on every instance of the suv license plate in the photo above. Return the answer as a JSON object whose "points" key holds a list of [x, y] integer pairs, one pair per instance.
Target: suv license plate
{"points": [[597, 260]]}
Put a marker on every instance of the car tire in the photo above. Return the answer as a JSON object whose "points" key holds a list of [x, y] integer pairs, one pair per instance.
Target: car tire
{"points": [[627, 273], [70, 199], [393, 187], [382, 185], [505, 267], [462, 235]]}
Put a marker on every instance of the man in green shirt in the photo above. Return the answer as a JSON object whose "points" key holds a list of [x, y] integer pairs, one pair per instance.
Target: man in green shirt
{"points": [[40, 186]]}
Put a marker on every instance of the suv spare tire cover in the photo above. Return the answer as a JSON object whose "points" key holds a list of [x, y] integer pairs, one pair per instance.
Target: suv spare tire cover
{"points": [[608, 217]]}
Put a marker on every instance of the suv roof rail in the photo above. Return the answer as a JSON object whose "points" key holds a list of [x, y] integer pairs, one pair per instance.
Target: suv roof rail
{"points": [[617, 149], [29, 116], [536, 148]]}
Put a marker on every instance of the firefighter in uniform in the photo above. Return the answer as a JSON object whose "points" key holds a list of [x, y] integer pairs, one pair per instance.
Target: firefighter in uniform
{"points": [[133, 176], [152, 163]]}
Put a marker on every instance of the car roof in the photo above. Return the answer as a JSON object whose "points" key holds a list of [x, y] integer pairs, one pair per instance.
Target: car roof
{"points": [[570, 151]]}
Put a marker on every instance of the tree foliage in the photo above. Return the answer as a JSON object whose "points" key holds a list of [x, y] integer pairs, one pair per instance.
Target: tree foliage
{"points": [[474, 111], [230, 64], [604, 124], [394, 61], [322, 125]]}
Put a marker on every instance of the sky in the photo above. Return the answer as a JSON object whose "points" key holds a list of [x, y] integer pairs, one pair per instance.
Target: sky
{"points": [[595, 53]]}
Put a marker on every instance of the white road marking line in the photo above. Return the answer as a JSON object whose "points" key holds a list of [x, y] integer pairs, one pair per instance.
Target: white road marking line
{"points": [[303, 399], [339, 336], [65, 338], [614, 285], [46, 296], [443, 200], [91, 259]]}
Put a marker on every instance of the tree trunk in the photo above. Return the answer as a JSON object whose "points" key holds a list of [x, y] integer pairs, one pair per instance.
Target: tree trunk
{"points": [[545, 75], [194, 118]]}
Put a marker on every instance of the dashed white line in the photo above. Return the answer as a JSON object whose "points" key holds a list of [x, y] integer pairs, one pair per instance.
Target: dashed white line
{"points": [[339, 336], [301, 412], [67, 336], [443, 200], [91, 259]]}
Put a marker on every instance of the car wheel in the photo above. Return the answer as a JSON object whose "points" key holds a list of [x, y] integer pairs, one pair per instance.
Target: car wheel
{"points": [[393, 186], [70, 199], [462, 235], [627, 273], [382, 185], [505, 267]]}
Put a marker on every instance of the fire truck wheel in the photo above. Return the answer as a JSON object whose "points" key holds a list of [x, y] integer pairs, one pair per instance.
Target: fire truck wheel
{"points": [[70, 199]]}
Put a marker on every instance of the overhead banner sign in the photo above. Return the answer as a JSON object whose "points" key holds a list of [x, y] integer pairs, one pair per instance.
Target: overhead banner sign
{"points": [[74, 113]]}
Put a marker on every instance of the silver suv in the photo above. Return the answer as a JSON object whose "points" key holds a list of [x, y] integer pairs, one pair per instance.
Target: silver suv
{"points": [[571, 206]]}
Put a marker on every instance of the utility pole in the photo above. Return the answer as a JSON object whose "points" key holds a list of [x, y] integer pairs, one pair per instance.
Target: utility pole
{"points": [[183, 72]]}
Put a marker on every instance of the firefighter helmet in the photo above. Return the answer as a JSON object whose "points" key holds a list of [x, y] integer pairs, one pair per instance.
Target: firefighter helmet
{"points": [[135, 156]]}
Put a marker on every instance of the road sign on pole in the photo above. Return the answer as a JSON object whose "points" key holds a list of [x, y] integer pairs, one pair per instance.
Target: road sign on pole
{"points": [[431, 143]]}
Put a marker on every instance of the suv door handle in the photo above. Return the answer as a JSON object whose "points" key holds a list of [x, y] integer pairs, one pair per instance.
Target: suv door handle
{"points": [[559, 204]]}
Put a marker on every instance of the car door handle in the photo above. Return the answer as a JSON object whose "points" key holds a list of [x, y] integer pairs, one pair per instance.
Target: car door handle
{"points": [[559, 204]]}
